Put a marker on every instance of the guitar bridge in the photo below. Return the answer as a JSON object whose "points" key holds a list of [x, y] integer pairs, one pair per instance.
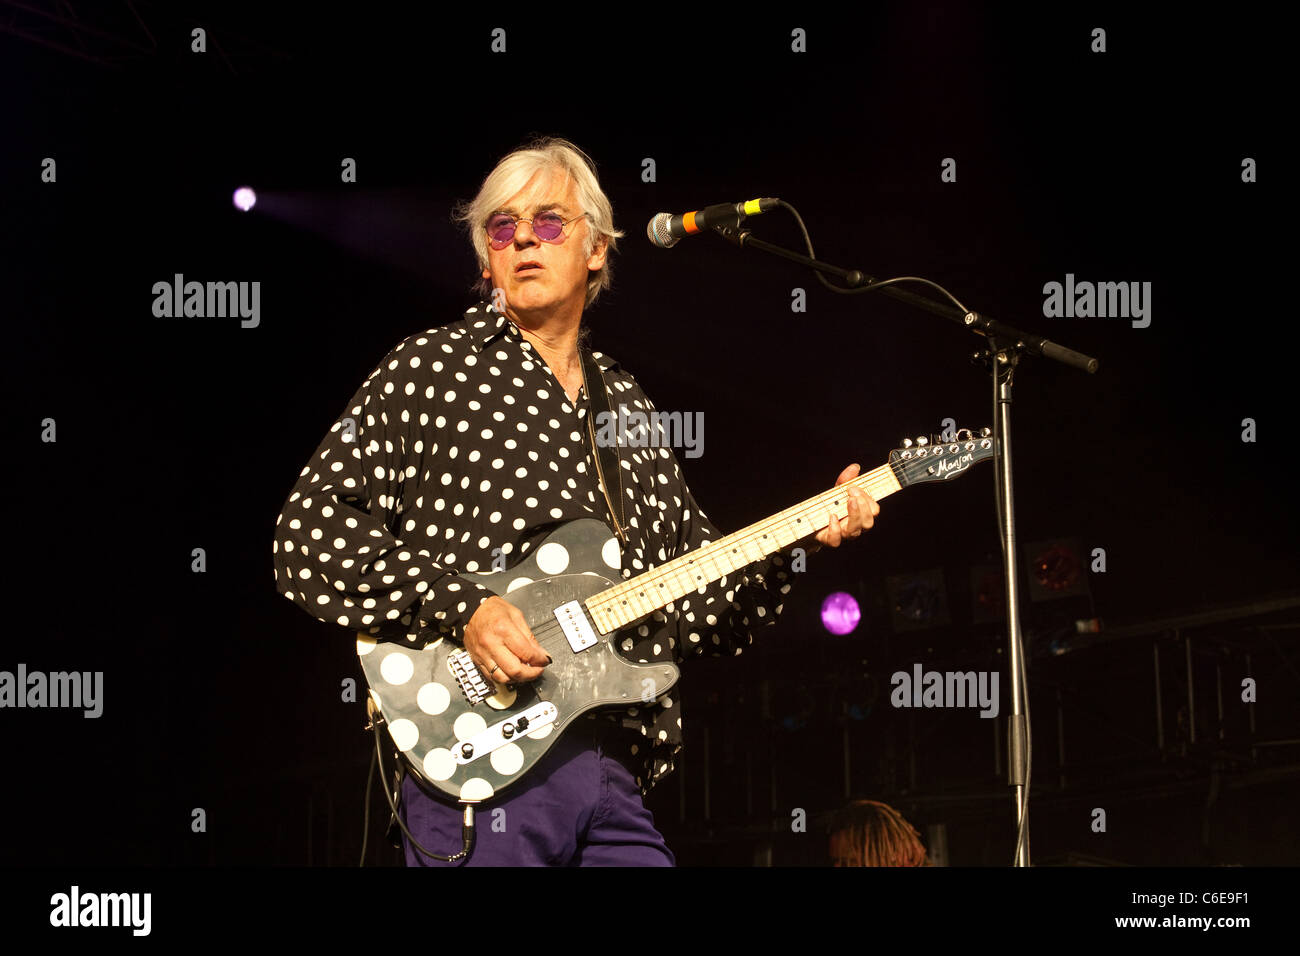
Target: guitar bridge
{"points": [[469, 678]]}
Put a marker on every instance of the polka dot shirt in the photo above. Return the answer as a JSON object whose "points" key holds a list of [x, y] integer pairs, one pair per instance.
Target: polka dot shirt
{"points": [[462, 442]]}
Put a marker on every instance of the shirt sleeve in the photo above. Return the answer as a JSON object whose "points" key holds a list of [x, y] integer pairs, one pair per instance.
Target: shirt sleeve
{"points": [[339, 554], [719, 619]]}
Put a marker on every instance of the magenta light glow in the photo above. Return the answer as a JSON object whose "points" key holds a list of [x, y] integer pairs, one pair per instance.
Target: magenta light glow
{"points": [[840, 612]]}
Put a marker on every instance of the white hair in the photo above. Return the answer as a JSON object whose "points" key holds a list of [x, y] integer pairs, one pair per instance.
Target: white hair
{"points": [[513, 173]]}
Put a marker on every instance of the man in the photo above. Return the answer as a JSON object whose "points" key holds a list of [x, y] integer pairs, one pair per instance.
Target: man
{"points": [[468, 444]]}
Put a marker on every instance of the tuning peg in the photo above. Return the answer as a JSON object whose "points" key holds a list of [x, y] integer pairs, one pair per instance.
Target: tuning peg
{"points": [[963, 434], [922, 441], [907, 443], [985, 432]]}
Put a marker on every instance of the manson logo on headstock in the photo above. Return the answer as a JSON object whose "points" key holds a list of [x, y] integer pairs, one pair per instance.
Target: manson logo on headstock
{"points": [[947, 467]]}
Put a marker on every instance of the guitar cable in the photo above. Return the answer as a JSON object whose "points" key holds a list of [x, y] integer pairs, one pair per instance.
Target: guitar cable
{"points": [[467, 827], [365, 813]]}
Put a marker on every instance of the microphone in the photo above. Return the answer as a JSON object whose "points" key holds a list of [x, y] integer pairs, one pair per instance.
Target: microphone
{"points": [[666, 230]]}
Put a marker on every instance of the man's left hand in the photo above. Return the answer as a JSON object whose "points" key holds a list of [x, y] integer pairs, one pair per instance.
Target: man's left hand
{"points": [[862, 513]]}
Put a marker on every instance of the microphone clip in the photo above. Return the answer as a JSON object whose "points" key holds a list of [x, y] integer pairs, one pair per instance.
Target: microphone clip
{"points": [[732, 232]]}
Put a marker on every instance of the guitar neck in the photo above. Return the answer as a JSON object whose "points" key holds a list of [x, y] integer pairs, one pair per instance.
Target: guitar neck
{"points": [[617, 607]]}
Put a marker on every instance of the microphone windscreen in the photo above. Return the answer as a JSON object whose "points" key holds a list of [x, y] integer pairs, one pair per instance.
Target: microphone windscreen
{"points": [[658, 232]]}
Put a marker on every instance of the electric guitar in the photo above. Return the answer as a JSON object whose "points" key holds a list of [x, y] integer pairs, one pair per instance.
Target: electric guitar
{"points": [[472, 737]]}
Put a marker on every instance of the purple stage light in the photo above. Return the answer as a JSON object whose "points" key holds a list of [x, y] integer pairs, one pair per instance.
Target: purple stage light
{"points": [[245, 198], [840, 612]]}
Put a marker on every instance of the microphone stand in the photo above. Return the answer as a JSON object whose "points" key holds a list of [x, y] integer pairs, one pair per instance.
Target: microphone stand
{"points": [[1006, 345]]}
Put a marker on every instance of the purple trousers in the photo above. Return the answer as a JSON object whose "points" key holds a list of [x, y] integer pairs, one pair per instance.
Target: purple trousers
{"points": [[577, 807]]}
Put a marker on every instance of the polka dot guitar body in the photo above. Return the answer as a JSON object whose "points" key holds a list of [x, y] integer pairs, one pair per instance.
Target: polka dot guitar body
{"points": [[470, 736]]}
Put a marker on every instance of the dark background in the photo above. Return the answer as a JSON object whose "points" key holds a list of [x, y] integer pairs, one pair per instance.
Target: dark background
{"points": [[175, 434]]}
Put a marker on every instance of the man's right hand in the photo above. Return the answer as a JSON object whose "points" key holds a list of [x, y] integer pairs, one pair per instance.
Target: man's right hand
{"points": [[497, 634]]}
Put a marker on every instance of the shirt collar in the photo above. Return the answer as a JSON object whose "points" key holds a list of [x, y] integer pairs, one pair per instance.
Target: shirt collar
{"points": [[487, 324]]}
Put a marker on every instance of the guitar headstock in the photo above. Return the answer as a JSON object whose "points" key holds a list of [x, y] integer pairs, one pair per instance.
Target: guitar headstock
{"points": [[934, 459]]}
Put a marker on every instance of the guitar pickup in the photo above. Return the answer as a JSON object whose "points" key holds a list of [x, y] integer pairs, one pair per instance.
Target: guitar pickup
{"points": [[577, 629], [505, 731]]}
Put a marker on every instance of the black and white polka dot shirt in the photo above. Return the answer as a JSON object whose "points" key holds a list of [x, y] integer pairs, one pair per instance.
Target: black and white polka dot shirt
{"points": [[462, 442]]}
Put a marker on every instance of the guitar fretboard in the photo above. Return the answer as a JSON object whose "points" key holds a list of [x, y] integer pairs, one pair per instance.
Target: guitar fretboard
{"points": [[617, 607]]}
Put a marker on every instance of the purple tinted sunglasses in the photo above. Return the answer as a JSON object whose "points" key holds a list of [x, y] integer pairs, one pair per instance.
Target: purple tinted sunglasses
{"points": [[547, 226]]}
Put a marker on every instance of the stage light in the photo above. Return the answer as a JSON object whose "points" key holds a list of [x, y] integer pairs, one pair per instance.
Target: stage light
{"points": [[840, 612], [245, 198], [919, 600], [1056, 569]]}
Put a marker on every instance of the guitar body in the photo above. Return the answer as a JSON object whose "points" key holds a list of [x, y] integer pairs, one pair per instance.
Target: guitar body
{"points": [[471, 737]]}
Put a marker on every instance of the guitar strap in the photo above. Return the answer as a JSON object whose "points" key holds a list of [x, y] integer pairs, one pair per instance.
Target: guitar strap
{"points": [[607, 459], [607, 462]]}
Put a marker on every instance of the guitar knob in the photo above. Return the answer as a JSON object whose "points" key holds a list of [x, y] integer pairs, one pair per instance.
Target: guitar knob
{"points": [[907, 443], [508, 731], [467, 751]]}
